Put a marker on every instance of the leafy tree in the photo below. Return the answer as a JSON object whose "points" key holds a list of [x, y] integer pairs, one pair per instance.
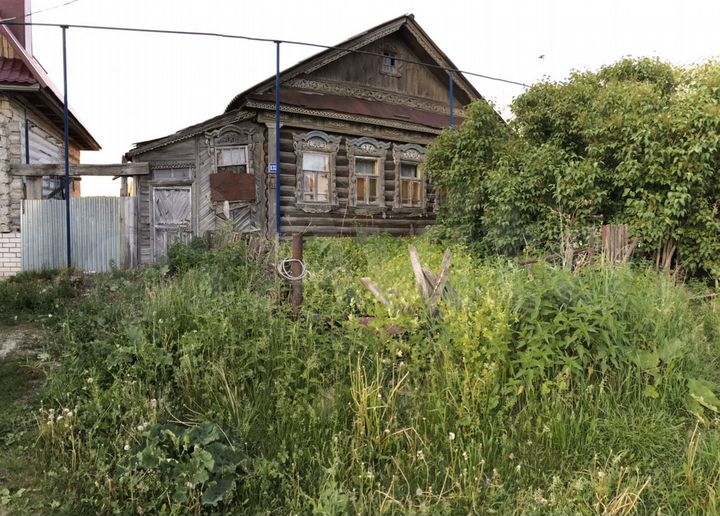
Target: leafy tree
{"points": [[636, 143]]}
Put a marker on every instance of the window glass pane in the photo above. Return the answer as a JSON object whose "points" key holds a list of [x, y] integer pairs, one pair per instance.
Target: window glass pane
{"points": [[309, 182], [315, 161], [405, 191], [408, 170], [365, 167], [231, 156], [322, 187], [361, 189], [372, 189], [172, 174], [416, 193]]}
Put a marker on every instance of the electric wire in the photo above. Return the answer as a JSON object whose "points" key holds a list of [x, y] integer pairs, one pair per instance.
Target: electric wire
{"points": [[282, 268], [40, 11], [265, 40]]}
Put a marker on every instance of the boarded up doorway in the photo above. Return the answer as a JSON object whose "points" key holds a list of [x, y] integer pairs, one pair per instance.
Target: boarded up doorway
{"points": [[172, 215]]}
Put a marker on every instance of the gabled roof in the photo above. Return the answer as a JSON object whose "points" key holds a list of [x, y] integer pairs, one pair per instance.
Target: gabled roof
{"points": [[188, 132], [241, 104], [47, 99], [405, 23], [14, 71]]}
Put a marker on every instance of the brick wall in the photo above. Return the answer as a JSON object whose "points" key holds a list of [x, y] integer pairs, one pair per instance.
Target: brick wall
{"points": [[10, 263]]}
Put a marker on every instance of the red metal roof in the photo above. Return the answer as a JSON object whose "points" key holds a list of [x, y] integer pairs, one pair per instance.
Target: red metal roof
{"points": [[14, 71], [355, 106]]}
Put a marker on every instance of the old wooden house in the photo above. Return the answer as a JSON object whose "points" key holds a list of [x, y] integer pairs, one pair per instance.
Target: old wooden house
{"points": [[354, 136]]}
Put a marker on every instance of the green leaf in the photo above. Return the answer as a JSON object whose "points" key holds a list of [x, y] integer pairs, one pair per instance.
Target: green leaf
{"points": [[651, 392], [670, 350], [217, 490], [647, 360], [701, 391]]}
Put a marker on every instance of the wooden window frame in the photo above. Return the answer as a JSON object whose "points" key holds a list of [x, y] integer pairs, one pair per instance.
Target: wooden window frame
{"points": [[174, 165], [320, 143], [371, 149], [409, 154], [221, 168], [231, 136], [393, 71]]}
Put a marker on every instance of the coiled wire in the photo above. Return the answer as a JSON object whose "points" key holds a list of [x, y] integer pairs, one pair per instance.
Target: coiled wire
{"points": [[284, 269]]}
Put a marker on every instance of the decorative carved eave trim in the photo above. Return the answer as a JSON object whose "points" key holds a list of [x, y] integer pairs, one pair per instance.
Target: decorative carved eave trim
{"points": [[337, 54], [372, 148], [439, 58], [160, 165], [344, 116], [365, 93], [189, 132], [315, 141], [415, 154], [346, 127]]}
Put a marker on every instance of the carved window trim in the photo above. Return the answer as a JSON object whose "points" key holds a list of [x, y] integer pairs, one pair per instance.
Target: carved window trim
{"points": [[366, 148], [321, 143], [229, 137], [409, 154]]}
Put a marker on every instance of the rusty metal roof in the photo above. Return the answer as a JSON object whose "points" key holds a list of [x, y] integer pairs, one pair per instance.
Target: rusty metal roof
{"points": [[355, 106], [14, 71]]}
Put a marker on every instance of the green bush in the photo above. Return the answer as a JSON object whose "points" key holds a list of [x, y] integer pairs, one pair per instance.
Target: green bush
{"points": [[634, 143]]}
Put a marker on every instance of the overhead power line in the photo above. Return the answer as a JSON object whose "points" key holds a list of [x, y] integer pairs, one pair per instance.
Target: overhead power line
{"points": [[40, 11], [263, 40]]}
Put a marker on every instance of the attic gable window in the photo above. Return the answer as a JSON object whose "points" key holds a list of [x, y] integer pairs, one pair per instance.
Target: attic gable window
{"points": [[366, 164], [315, 154], [390, 64]]}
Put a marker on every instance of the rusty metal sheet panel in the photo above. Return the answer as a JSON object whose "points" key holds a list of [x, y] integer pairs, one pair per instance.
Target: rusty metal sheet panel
{"points": [[226, 186]]}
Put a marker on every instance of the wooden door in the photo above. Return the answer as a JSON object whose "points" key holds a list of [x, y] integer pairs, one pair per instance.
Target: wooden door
{"points": [[172, 217]]}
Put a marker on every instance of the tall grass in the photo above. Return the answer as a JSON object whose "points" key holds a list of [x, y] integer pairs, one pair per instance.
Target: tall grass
{"points": [[193, 389]]}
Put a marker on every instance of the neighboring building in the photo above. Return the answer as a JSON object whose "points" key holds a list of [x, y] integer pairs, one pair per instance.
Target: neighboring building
{"points": [[355, 130], [31, 131]]}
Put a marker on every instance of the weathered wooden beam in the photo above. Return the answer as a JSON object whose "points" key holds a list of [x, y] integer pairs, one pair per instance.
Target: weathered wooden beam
{"points": [[376, 291], [119, 170], [442, 280], [419, 275]]}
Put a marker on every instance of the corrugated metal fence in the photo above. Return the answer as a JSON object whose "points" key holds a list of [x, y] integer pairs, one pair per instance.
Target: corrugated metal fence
{"points": [[102, 233]]}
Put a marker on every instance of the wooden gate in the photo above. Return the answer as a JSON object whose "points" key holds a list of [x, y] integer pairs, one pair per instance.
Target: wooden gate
{"points": [[172, 218]]}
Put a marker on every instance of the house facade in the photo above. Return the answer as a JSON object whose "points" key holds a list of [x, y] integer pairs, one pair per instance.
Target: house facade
{"points": [[355, 127], [31, 131]]}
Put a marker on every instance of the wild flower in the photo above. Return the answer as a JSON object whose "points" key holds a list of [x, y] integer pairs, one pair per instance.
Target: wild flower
{"points": [[126, 447], [451, 436], [420, 455]]}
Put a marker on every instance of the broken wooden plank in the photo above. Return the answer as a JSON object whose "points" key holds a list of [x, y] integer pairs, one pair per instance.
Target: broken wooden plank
{"points": [[58, 169], [442, 280], [419, 275], [449, 294], [376, 291]]}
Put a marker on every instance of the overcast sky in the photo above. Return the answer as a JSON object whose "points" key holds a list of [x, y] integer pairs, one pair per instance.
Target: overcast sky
{"points": [[129, 87]]}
